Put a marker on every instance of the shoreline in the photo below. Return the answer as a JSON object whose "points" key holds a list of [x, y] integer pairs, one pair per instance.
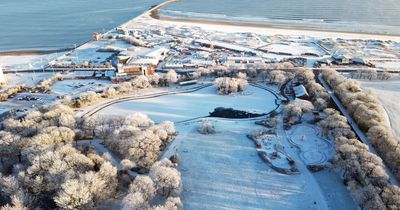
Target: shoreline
{"points": [[154, 13], [267, 26], [33, 52]]}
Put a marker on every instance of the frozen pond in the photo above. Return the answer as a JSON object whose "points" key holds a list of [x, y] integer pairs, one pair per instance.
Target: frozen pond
{"points": [[186, 106]]}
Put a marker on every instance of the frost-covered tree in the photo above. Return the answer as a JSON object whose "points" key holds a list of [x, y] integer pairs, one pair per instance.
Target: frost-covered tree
{"points": [[143, 185], [154, 79], [171, 76], [206, 127], [369, 115], [110, 92], [127, 164], [172, 203], [227, 85], [241, 75], [166, 178], [277, 77], [295, 110], [133, 41], [138, 120], [134, 201], [141, 82]]}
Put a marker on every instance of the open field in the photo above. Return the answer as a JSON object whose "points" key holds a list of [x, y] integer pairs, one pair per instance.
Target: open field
{"points": [[223, 171], [388, 93], [75, 87]]}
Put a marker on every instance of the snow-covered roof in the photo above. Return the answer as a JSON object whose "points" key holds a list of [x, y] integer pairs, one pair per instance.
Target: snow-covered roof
{"points": [[143, 61]]}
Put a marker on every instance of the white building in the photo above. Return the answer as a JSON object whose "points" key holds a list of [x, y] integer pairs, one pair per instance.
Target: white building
{"points": [[2, 78]]}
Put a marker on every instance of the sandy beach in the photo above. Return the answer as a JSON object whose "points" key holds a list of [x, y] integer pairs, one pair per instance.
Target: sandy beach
{"points": [[263, 28]]}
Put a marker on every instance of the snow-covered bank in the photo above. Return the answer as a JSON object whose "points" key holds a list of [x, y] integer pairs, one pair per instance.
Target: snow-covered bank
{"points": [[26, 62]]}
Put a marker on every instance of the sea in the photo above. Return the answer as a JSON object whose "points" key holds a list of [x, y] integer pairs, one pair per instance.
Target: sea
{"points": [[55, 24]]}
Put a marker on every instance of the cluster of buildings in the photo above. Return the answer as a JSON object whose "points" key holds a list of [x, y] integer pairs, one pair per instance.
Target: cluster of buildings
{"points": [[143, 49], [141, 62]]}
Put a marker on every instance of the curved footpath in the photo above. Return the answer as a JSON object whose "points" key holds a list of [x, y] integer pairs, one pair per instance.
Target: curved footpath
{"points": [[131, 98], [94, 110]]}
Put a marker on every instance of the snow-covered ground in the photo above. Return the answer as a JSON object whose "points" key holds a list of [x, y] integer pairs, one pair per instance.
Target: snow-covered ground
{"points": [[388, 93], [73, 87], [314, 148], [86, 52], [26, 62], [294, 48], [27, 79], [223, 171], [186, 106], [388, 65]]}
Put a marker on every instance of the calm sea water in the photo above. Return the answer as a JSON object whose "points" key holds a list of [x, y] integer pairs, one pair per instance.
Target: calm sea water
{"points": [[378, 16], [53, 24]]}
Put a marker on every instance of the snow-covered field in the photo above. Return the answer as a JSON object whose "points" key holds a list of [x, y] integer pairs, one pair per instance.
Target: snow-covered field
{"points": [[294, 48], [388, 93], [86, 52], [27, 79], [223, 171], [74, 87], [314, 148], [26, 62], [196, 104]]}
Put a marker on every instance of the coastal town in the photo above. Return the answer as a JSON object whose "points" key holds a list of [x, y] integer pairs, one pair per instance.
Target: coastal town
{"points": [[171, 114]]}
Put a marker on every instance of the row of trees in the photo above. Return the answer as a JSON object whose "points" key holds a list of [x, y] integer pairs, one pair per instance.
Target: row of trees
{"points": [[45, 85], [261, 70], [89, 97], [369, 115], [9, 92], [363, 172], [163, 181], [138, 83]]}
